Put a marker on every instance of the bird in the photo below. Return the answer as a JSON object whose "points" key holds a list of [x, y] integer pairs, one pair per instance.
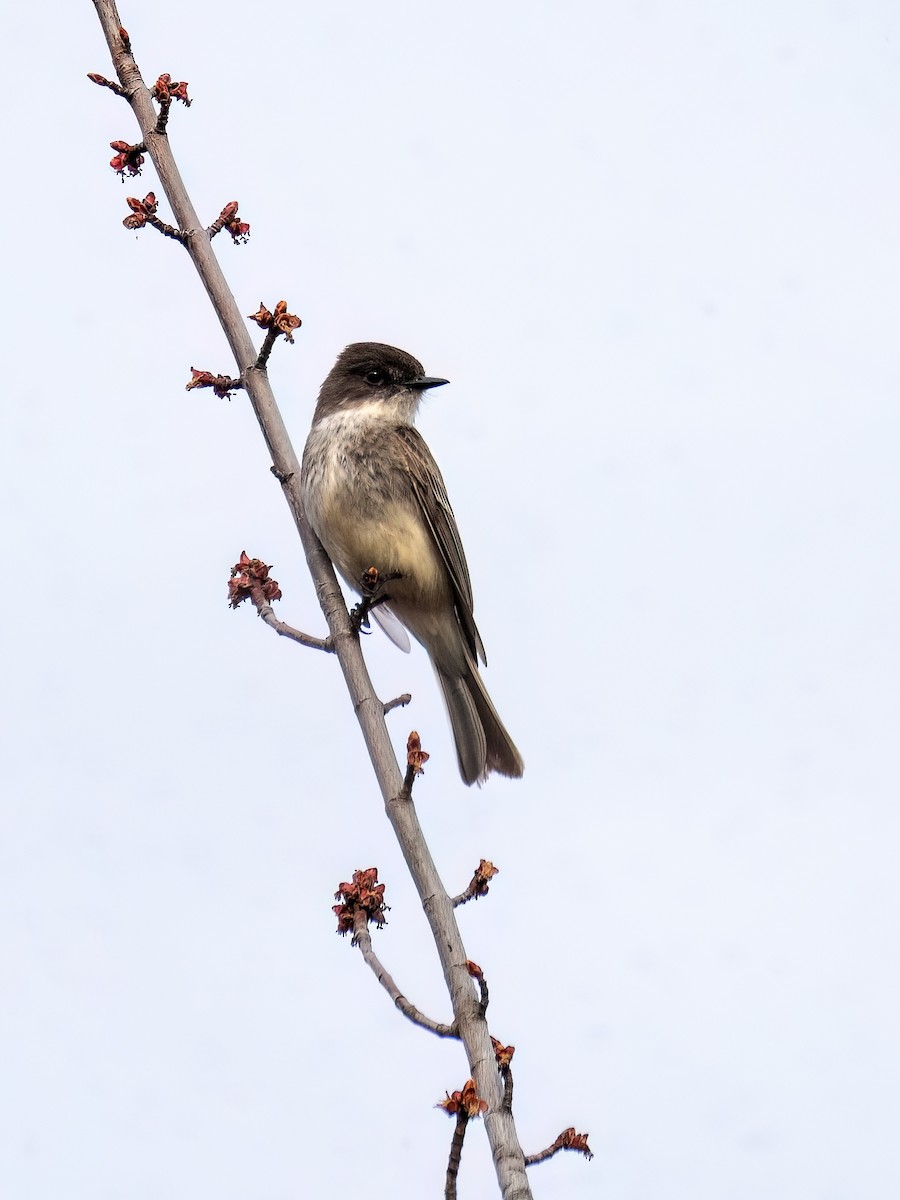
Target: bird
{"points": [[374, 497]]}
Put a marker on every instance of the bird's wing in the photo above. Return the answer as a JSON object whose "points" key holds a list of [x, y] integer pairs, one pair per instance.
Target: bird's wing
{"points": [[431, 494]]}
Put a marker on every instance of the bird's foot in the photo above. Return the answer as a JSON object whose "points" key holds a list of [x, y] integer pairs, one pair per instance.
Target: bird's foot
{"points": [[372, 585]]}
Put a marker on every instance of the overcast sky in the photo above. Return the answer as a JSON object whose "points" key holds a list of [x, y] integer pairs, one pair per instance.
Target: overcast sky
{"points": [[654, 248]]}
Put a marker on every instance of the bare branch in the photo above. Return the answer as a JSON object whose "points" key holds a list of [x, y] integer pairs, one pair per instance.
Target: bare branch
{"points": [[468, 1014], [363, 939], [250, 580], [265, 349], [296, 635], [484, 998], [102, 81], [567, 1140], [456, 1145], [397, 702], [222, 385], [168, 231]]}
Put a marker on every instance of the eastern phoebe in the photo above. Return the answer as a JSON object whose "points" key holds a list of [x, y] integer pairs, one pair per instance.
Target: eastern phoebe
{"points": [[374, 497]]}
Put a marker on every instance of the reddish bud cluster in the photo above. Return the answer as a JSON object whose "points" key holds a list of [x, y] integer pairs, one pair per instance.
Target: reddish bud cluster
{"points": [[227, 220], [142, 211], [467, 1101], [128, 159], [474, 970], [504, 1053], [249, 576], [416, 757], [484, 872], [165, 90], [102, 81], [125, 39], [281, 320], [222, 385], [363, 895], [570, 1140]]}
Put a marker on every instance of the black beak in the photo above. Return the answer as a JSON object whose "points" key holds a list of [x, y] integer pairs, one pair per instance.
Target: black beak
{"points": [[426, 381]]}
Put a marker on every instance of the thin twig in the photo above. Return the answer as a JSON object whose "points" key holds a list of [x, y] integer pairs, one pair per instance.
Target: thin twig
{"points": [[267, 613], [397, 702], [266, 349], [484, 996], [222, 385], [506, 1076], [363, 939], [456, 1145], [162, 120], [102, 81], [251, 580], [169, 231], [478, 884], [567, 1140]]}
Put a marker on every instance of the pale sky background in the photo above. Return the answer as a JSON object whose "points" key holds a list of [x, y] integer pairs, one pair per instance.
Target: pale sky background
{"points": [[654, 247]]}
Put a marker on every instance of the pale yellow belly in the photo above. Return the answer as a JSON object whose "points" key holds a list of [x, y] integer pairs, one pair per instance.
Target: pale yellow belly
{"points": [[395, 539]]}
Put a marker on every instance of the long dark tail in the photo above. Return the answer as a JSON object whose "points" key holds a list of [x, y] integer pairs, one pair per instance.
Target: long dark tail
{"points": [[482, 743]]}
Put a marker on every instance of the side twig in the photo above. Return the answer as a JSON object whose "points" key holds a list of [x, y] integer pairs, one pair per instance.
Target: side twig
{"points": [[102, 81], [478, 884], [295, 635], [456, 1145], [250, 580], [363, 940], [484, 997], [567, 1140], [266, 349], [464, 1105]]}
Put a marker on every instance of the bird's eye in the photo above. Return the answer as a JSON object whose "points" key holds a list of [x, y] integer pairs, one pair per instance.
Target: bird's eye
{"points": [[374, 377]]}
